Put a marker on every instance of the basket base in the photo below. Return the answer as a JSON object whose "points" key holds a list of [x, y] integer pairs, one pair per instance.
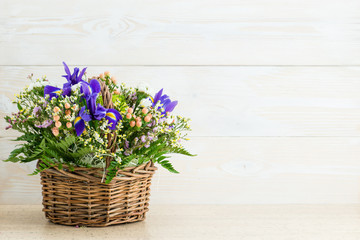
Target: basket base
{"points": [[70, 198], [96, 222]]}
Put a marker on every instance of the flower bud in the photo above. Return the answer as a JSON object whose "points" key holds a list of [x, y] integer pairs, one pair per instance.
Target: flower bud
{"points": [[145, 110], [147, 118], [132, 123], [57, 124], [55, 131]]}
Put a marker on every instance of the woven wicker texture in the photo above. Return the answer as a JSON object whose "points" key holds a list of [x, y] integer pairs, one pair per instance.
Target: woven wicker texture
{"points": [[80, 197]]}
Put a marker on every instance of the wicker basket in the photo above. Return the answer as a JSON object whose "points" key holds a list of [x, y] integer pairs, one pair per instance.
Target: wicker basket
{"points": [[79, 198]]}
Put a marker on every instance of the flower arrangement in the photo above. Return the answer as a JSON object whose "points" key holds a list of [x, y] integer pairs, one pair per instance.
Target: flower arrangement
{"points": [[71, 126]]}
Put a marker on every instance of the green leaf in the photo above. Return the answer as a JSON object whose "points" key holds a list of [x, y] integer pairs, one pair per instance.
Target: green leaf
{"points": [[45, 163], [166, 164], [181, 151], [13, 157], [19, 106], [112, 170]]}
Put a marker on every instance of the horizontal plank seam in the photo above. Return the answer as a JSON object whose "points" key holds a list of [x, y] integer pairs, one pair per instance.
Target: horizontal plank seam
{"points": [[179, 65]]}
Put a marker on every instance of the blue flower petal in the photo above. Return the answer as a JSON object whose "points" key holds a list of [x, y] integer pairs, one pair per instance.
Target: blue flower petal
{"points": [[66, 89], [99, 112], [113, 117], [67, 70], [157, 97], [79, 125], [52, 91], [95, 86], [170, 107]]}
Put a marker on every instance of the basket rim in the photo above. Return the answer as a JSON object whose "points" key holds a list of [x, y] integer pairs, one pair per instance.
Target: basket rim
{"points": [[94, 174]]}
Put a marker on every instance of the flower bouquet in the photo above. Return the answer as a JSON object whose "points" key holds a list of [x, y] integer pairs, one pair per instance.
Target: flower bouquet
{"points": [[95, 143]]}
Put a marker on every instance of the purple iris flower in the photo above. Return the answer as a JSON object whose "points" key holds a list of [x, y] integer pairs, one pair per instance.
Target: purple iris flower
{"points": [[91, 91], [113, 117], [52, 91], [168, 105], [79, 122], [96, 111], [72, 79]]}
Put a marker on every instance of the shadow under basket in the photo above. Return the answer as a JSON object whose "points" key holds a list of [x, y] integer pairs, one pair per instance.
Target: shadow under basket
{"points": [[80, 198]]}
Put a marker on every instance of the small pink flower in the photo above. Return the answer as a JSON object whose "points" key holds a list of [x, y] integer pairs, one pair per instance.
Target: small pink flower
{"points": [[113, 79], [56, 118], [128, 115], [116, 92], [138, 124], [145, 110], [147, 118], [68, 112], [130, 110], [132, 123], [107, 73], [57, 124], [56, 109], [55, 131], [101, 76], [67, 105], [68, 125]]}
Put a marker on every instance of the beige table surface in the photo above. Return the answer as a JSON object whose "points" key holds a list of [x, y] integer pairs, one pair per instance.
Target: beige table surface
{"points": [[198, 222]]}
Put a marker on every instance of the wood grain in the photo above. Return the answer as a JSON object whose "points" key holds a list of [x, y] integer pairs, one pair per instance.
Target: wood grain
{"points": [[198, 222], [234, 170], [272, 89], [234, 101], [227, 32]]}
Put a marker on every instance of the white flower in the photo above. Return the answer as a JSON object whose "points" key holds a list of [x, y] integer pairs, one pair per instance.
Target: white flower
{"points": [[143, 87], [35, 84], [75, 87], [146, 102], [169, 120]]}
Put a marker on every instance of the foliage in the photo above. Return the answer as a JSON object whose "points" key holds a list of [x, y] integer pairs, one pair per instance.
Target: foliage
{"points": [[71, 126]]}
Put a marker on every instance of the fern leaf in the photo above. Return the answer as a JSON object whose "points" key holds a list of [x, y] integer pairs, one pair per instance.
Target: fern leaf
{"points": [[180, 151], [166, 164]]}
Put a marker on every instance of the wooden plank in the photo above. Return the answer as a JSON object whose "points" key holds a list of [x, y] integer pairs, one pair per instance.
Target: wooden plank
{"points": [[227, 32], [198, 222], [234, 170], [235, 101]]}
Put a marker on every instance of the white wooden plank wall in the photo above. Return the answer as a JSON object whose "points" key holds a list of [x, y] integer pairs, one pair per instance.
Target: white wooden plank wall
{"points": [[272, 88]]}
